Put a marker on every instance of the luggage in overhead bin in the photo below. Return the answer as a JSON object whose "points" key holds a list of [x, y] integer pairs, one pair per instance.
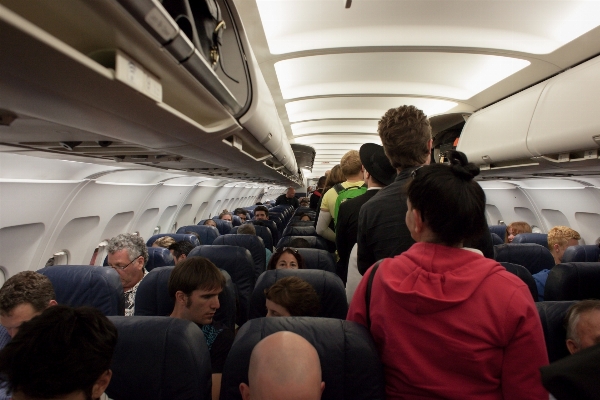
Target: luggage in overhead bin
{"points": [[202, 22]]}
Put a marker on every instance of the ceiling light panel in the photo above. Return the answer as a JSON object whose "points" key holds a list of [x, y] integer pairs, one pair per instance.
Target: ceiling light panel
{"points": [[448, 75], [530, 26], [335, 126], [360, 107], [315, 140]]}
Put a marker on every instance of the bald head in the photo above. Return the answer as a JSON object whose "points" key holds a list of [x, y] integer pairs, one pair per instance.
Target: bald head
{"points": [[283, 365]]}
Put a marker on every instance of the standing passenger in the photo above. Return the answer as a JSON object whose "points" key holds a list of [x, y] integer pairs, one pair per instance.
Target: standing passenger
{"points": [[289, 198], [318, 193]]}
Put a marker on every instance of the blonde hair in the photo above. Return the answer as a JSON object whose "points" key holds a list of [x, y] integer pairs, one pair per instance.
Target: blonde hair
{"points": [[560, 235], [164, 241], [350, 163], [517, 227]]}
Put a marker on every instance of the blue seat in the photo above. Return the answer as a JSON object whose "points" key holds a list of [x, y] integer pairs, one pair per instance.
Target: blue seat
{"points": [[238, 263], [261, 231], [294, 222], [178, 237], [236, 221], [253, 244], [87, 285], [532, 256], [206, 233], [573, 281], [537, 238], [585, 253], [299, 231], [317, 259], [159, 257], [159, 358], [272, 227], [152, 297], [315, 242], [328, 286], [496, 239], [304, 210], [525, 276], [350, 365], [499, 230], [552, 315], [224, 227]]}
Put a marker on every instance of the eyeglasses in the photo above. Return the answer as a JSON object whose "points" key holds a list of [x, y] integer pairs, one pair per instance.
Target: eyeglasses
{"points": [[122, 268], [413, 173]]}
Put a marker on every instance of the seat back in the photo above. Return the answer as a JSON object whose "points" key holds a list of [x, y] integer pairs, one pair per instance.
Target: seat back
{"points": [[328, 286], [537, 238], [496, 239], [261, 231], [238, 263], [350, 365], [159, 257], [304, 210], [499, 230], [152, 297], [159, 358], [585, 253], [315, 242], [206, 233], [552, 315], [253, 244], [297, 222], [292, 230], [525, 276], [317, 259], [87, 285], [573, 281], [532, 256], [235, 220], [271, 225], [178, 237], [224, 227]]}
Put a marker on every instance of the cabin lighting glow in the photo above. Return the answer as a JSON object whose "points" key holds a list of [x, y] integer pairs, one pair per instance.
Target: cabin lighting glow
{"points": [[335, 126], [447, 75]]}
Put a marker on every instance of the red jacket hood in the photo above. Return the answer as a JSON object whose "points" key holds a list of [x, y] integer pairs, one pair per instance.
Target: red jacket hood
{"points": [[430, 277]]}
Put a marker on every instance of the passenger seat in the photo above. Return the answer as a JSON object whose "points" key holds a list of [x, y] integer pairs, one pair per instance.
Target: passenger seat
{"points": [[552, 315], [532, 256], [315, 242], [585, 253], [573, 281], [206, 233]]}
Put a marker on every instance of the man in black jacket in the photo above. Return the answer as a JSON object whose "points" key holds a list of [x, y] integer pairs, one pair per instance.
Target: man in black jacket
{"points": [[288, 199], [378, 173]]}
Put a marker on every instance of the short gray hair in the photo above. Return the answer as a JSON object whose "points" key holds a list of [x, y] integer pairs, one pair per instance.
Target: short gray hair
{"points": [[246, 229], [573, 314], [134, 244]]}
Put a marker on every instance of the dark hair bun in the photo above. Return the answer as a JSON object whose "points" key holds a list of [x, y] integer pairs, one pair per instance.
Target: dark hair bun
{"points": [[461, 166]]}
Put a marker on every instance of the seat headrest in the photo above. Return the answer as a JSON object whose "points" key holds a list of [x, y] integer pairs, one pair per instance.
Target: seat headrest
{"points": [[159, 257], [178, 237], [152, 297], [573, 281], [292, 230], [537, 238], [207, 233], [525, 276], [328, 286], [224, 227], [304, 210], [499, 230], [350, 365], [87, 285], [532, 256], [262, 232], [314, 242], [237, 261], [159, 358], [236, 221], [317, 259], [496, 239], [301, 223], [252, 243], [585, 253], [272, 226], [552, 315]]}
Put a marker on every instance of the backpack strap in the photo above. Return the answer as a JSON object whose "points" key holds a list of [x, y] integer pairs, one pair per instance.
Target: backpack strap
{"points": [[368, 293], [338, 187]]}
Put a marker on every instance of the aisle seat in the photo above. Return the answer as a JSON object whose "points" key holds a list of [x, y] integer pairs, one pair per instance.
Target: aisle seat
{"points": [[317, 259], [207, 234], [261, 231], [552, 316], [537, 238], [253, 244], [499, 230], [532, 256], [224, 227], [178, 237], [525, 276], [315, 242], [299, 231], [582, 253], [573, 281], [158, 257]]}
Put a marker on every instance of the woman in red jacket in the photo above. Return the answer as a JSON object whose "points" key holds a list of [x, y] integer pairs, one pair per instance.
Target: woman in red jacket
{"points": [[447, 322]]}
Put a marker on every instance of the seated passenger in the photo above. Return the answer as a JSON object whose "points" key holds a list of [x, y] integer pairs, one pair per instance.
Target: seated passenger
{"points": [[64, 353], [164, 241], [128, 255], [514, 229], [299, 243], [448, 322], [180, 250], [210, 222], [304, 202], [283, 365], [292, 297], [287, 258], [559, 238], [240, 212], [289, 198], [226, 216], [195, 285], [249, 229], [582, 322], [304, 217], [261, 213], [195, 234]]}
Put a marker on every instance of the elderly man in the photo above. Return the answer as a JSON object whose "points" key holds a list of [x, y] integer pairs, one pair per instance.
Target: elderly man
{"points": [[128, 255], [583, 325], [283, 365], [289, 198]]}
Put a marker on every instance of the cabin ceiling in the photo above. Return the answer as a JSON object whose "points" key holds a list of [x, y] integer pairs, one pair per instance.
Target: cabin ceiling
{"points": [[334, 71]]}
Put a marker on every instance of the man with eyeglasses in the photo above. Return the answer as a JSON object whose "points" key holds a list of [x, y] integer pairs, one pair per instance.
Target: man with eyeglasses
{"points": [[127, 254]]}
